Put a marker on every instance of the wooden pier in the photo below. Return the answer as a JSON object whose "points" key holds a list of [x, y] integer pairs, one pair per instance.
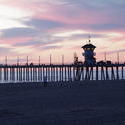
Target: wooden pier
{"points": [[60, 73]]}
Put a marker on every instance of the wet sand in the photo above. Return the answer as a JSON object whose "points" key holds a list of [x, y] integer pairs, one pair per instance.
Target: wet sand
{"points": [[84, 103]]}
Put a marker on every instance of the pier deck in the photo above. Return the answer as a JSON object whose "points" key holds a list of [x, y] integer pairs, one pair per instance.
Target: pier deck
{"points": [[61, 73]]}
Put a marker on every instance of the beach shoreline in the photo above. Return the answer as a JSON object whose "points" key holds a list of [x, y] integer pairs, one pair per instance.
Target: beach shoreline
{"points": [[77, 103]]}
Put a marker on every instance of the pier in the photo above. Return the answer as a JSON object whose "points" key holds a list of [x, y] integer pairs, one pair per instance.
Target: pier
{"points": [[61, 73]]}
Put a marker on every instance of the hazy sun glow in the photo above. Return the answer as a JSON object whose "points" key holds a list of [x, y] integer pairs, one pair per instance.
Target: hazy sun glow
{"points": [[11, 16]]}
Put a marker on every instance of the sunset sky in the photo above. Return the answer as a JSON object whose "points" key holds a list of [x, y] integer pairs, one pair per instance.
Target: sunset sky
{"points": [[60, 27]]}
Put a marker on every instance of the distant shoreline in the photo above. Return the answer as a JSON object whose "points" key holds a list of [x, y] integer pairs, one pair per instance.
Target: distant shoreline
{"points": [[59, 84]]}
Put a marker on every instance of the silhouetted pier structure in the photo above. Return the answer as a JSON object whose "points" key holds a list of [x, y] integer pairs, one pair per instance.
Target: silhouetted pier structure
{"points": [[61, 73]]}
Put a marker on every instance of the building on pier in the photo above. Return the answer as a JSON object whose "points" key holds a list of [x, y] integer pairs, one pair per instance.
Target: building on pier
{"points": [[76, 59], [89, 54]]}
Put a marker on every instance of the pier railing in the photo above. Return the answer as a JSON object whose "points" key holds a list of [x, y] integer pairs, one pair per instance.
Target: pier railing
{"points": [[60, 73]]}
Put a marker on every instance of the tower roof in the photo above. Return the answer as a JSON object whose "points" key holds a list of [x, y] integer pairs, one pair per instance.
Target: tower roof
{"points": [[88, 46]]}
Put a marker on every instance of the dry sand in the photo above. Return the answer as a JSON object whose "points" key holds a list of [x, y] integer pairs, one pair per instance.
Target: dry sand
{"points": [[85, 103]]}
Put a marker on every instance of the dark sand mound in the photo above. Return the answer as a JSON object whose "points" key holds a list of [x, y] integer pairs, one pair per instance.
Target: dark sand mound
{"points": [[87, 103]]}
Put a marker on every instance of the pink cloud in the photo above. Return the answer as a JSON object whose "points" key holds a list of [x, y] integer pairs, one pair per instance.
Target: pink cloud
{"points": [[118, 39], [58, 14], [15, 40]]}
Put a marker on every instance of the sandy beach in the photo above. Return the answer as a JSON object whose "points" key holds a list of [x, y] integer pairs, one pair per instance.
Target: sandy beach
{"points": [[79, 103]]}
